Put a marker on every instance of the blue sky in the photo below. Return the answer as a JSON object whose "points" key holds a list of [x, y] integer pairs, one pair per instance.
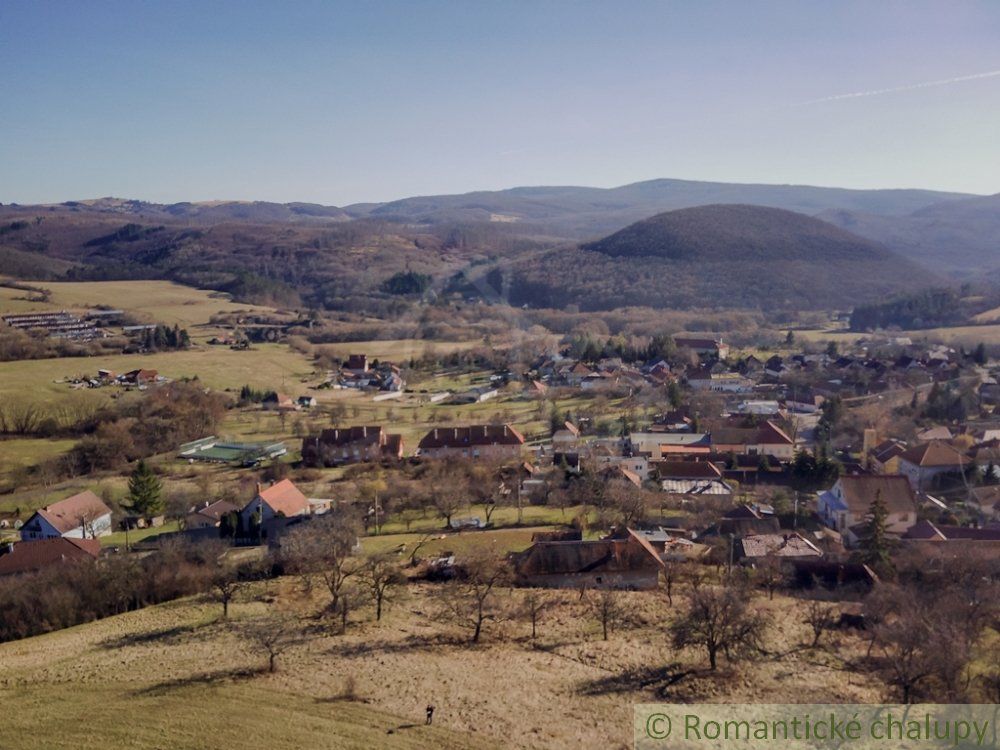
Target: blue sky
{"points": [[367, 101]]}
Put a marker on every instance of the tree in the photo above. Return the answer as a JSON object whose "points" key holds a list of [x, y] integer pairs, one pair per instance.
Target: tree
{"points": [[272, 634], [323, 549], [819, 617], [610, 609], [874, 546], [770, 574], [226, 583], [719, 620], [449, 490], [533, 606], [382, 576], [144, 489], [471, 601]]}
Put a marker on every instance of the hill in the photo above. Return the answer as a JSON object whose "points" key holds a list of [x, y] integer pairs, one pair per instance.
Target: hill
{"points": [[584, 212], [958, 238], [719, 256]]}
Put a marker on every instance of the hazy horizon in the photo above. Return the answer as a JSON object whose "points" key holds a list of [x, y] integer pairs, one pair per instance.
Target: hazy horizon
{"points": [[340, 103]]}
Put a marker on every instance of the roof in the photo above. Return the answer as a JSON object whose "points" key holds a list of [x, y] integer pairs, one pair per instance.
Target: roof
{"points": [[605, 556], [887, 450], [215, 511], [284, 497], [464, 437], [934, 454], [778, 545], [859, 492], [687, 470], [70, 513], [349, 435], [27, 557]]}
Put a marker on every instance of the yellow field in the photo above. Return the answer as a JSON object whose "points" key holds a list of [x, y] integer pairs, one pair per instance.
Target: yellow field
{"points": [[153, 301], [174, 676]]}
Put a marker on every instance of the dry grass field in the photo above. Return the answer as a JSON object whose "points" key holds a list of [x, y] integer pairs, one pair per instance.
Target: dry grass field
{"points": [[174, 676], [153, 301]]}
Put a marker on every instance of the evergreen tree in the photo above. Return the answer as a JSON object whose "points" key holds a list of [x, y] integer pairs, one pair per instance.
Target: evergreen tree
{"points": [[144, 491], [875, 546]]}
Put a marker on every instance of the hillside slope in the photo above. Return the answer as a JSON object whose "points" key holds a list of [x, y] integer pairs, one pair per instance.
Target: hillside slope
{"points": [[960, 238], [719, 256], [582, 212]]}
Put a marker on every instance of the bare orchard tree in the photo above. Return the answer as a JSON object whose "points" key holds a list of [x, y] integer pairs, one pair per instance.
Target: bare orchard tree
{"points": [[609, 608], [472, 599], [273, 635], [719, 620], [382, 577], [447, 490], [226, 584], [534, 604], [820, 618], [770, 574], [322, 549]]}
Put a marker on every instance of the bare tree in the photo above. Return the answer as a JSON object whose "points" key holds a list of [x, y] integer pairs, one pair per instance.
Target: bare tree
{"points": [[449, 490], [323, 549], [272, 634], [226, 584], [471, 600], [533, 605], [609, 608], [770, 574], [718, 619], [382, 577], [819, 617]]}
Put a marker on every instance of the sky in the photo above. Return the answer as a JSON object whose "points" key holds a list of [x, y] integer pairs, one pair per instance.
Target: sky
{"points": [[343, 102]]}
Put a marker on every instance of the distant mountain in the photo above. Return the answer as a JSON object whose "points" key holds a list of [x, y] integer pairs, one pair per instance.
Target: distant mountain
{"points": [[582, 213], [960, 238], [208, 212], [719, 256]]}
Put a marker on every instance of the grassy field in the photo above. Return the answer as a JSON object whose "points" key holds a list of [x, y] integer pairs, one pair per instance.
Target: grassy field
{"points": [[266, 365], [153, 301], [174, 676]]}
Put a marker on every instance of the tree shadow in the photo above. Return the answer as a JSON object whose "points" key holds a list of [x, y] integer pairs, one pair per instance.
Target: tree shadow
{"points": [[176, 634], [410, 643], [657, 679], [205, 678]]}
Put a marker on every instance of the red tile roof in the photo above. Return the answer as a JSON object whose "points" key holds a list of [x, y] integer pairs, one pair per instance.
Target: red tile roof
{"points": [[464, 437], [28, 557], [934, 454], [284, 497], [70, 513]]}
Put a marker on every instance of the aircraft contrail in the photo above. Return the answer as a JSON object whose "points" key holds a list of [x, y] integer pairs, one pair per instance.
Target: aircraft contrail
{"points": [[910, 87]]}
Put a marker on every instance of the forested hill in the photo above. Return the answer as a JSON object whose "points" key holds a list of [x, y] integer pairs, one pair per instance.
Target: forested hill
{"points": [[720, 256]]}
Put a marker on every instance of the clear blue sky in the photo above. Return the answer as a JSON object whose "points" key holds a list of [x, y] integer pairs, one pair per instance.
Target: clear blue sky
{"points": [[366, 100]]}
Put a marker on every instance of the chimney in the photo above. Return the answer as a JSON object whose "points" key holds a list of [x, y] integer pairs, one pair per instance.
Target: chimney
{"points": [[260, 488]]}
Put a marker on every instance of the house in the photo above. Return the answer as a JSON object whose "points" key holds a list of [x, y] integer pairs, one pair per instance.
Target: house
{"points": [[744, 520], [655, 445], [763, 439], [782, 546], [691, 478], [282, 499], [351, 445], [630, 563], [884, 457], [988, 500], [357, 363], [139, 377], [703, 346], [209, 515], [922, 463], [497, 442], [80, 516], [29, 557], [279, 401], [847, 503], [566, 439]]}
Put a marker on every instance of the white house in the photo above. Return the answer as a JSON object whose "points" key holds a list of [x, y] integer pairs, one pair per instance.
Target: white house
{"points": [[280, 499], [82, 516], [922, 463], [847, 503]]}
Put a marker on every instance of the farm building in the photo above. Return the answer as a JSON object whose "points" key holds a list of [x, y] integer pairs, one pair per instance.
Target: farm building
{"points": [[628, 563], [214, 450]]}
